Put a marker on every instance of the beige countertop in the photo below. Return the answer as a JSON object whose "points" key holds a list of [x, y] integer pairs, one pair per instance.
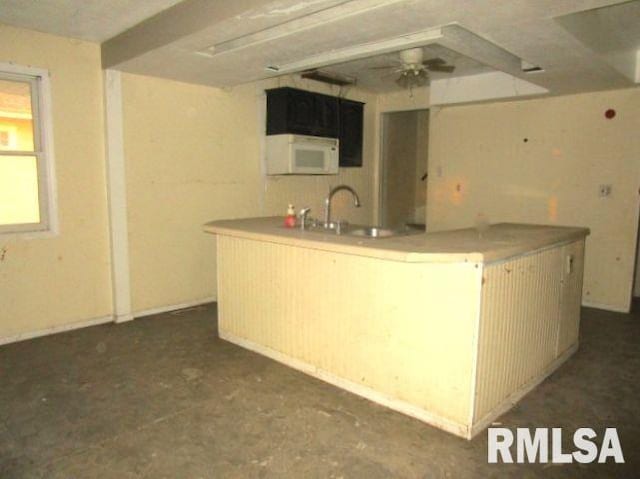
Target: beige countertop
{"points": [[498, 242]]}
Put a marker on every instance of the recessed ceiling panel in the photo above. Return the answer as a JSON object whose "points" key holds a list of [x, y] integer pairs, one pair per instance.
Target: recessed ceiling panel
{"points": [[379, 73]]}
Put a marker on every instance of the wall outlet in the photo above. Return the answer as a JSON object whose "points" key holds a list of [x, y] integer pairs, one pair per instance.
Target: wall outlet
{"points": [[604, 191]]}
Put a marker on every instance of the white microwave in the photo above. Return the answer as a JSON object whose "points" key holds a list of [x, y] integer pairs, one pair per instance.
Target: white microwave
{"points": [[290, 154]]}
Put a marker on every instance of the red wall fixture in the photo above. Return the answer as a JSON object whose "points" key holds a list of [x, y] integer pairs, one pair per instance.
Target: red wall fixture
{"points": [[610, 113]]}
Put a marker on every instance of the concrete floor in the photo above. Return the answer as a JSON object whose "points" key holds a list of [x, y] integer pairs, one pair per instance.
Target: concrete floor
{"points": [[162, 397]]}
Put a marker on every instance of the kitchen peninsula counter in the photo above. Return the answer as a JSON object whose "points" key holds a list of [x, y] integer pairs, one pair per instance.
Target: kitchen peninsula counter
{"points": [[452, 328], [496, 243]]}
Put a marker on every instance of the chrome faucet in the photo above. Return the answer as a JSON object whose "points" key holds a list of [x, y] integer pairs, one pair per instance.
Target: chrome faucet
{"points": [[303, 217], [327, 202]]}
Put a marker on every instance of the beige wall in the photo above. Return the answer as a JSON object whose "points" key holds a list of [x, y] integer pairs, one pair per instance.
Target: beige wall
{"points": [[194, 154], [479, 163], [50, 282], [191, 157]]}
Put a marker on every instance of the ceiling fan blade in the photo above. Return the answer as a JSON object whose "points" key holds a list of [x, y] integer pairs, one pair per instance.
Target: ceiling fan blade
{"points": [[389, 73], [441, 68], [385, 67], [434, 61]]}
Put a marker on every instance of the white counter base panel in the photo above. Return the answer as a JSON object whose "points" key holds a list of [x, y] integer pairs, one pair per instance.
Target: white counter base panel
{"points": [[358, 389], [454, 344]]}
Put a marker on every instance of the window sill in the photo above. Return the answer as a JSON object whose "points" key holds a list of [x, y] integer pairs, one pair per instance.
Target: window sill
{"points": [[28, 235]]}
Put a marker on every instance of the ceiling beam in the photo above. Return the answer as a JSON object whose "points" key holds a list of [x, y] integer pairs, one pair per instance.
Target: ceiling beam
{"points": [[170, 25]]}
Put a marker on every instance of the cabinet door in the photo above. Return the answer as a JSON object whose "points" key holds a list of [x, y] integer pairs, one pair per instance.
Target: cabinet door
{"points": [[328, 119], [277, 101], [302, 112], [351, 125], [571, 296]]}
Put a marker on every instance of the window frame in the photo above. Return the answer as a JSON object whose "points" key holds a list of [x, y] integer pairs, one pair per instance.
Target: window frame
{"points": [[43, 150]]}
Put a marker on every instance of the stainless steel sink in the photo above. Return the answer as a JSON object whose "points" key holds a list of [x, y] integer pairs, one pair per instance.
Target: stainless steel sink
{"points": [[374, 232]]}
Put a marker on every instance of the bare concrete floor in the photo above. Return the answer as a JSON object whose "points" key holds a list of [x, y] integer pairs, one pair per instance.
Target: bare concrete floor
{"points": [[162, 397]]}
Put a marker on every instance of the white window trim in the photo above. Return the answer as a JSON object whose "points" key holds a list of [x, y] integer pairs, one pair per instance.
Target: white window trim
{"points": [[46, 169]]}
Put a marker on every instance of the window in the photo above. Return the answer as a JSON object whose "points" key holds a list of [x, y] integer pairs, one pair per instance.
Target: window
{"points": [[26, 157]]}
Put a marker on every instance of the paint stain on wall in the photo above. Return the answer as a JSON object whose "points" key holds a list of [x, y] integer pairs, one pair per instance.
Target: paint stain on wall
{"points": [[552, 208], [458, 190]]}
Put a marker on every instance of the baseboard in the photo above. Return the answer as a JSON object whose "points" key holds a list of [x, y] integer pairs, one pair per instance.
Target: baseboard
{"points": [[55, 329], [173, 307], [606, 307], [102, 320], [377, 397], [517, 395], [123, 318]]}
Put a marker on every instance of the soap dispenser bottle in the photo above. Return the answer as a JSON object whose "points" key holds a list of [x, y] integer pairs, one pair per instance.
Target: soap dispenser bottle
{"points": [[290, 219]]}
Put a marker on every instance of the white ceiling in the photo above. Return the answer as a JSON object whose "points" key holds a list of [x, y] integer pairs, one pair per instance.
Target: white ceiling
{"points": [[582, 45], [251, 35], [92, 20]]}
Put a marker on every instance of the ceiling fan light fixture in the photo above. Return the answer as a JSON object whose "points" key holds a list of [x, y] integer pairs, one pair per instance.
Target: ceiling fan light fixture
{"points": [[410, 79]]}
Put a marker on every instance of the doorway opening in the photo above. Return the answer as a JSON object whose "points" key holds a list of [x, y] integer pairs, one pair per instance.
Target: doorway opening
{"points": [[403, 170]]}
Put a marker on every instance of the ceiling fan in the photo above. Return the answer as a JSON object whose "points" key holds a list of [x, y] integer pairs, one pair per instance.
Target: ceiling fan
{"points": [[414, 70]]}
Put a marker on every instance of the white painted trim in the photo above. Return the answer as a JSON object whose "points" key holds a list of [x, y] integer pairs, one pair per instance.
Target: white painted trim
{"points": [[440, 422], [173, 307], [96, 321], [518, 394], [46, 132], [476, 346], [117, 197], [55, 329], [261, 98], [607, 307]]}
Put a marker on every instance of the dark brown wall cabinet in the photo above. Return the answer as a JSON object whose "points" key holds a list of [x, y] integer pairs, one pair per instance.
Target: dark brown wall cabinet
{"points": [[301, 112], [351, 125]]}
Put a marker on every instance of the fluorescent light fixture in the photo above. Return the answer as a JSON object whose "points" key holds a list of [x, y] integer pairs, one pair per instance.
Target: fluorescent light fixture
{"points": [[365, 50], [329, 77], [339, 12]]}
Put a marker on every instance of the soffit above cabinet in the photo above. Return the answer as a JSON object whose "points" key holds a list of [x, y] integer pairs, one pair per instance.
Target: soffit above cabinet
{"points": [[225, 43]]}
